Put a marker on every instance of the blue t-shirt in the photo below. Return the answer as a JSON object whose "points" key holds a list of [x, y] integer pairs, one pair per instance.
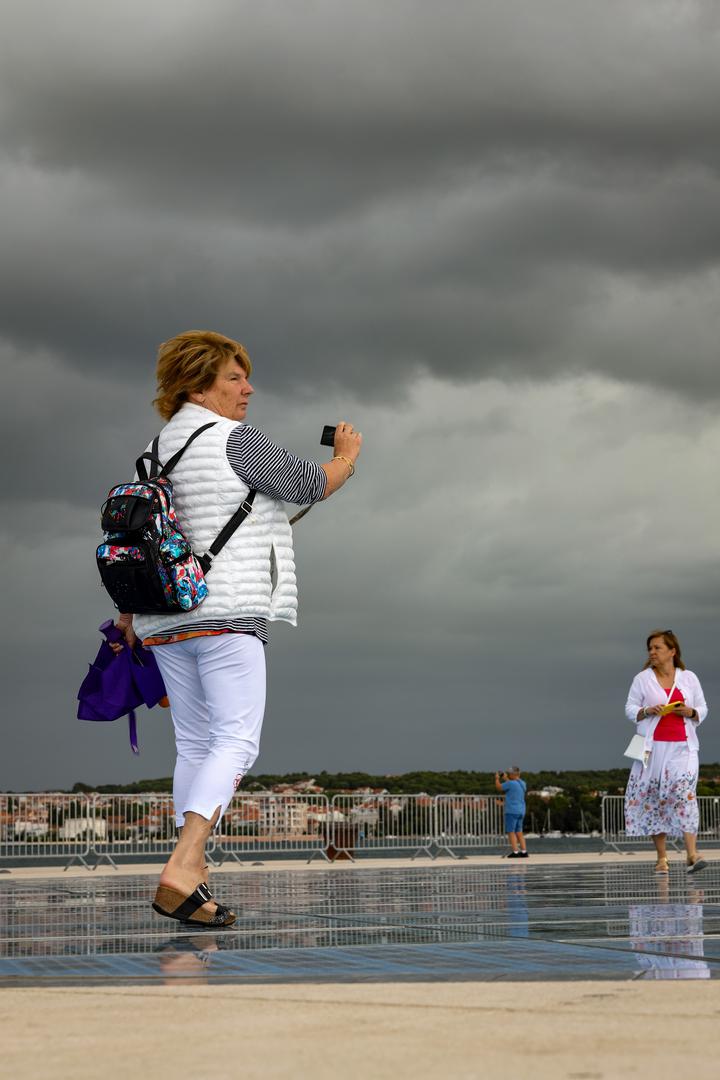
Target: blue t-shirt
{"points": [[514, 796]]}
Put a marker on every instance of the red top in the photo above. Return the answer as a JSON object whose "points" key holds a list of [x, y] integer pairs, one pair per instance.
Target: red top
{"points": [[671, 728]]}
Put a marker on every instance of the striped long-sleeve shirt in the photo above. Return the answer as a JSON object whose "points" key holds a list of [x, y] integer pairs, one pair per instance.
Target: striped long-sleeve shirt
{"points": [[270, 469]]}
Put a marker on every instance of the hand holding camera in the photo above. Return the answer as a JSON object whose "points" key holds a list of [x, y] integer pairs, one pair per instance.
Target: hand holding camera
{"points": [[343, 438], [345, 441]]}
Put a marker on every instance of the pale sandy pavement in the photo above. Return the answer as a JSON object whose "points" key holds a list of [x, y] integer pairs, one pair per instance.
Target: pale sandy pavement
{"points": [[319, 866], [579, 1031]]}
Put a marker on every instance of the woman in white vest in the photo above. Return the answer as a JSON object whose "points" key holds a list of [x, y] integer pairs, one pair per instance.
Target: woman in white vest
{"points": [[212, 659], [667, 704]]}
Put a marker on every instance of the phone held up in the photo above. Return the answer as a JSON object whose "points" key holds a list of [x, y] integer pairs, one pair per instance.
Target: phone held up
{"points": [[328, 436]]}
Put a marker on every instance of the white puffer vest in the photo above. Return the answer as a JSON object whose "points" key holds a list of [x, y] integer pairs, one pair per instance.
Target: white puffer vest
{"points": [[207, 492]]}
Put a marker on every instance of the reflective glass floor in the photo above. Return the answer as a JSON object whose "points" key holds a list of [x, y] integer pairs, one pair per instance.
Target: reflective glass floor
{"points": [[422, 922]]}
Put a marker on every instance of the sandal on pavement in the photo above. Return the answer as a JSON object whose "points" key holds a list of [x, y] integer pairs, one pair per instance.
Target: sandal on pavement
{"points": [[698, 863], [174, 905], [662, 866]]}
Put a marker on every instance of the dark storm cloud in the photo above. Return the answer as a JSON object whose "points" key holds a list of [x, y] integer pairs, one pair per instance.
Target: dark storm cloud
{"points": [[349, 103], [489, 280], [521, 200], [379, 185]]}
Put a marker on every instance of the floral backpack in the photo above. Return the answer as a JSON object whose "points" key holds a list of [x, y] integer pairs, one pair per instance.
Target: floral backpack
{"points": [[146, 564]]}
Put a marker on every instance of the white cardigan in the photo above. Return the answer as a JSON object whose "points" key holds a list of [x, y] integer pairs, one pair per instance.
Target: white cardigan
{"points": [[646, 690]]}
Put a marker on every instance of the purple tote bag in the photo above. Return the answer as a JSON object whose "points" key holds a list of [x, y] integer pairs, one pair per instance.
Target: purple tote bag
{"points": [[117, 683]]}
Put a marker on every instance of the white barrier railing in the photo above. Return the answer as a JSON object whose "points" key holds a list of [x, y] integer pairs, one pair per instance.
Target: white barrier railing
{"points": [[135, 825], [47, 825], [262, 824], [614, 834], [111, 826], [365, 823], [709, 807], [54, 825], [468, 821]]}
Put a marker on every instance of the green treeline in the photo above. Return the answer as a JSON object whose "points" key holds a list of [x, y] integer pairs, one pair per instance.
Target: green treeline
{"points": [[611, 781], [577, 808]]}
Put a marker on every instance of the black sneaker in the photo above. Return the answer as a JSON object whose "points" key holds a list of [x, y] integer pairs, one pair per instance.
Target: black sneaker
{"points": [[523, 854], [514, 855]]}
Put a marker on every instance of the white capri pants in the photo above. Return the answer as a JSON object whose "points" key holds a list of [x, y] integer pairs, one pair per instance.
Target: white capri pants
{"points": [[216, 687]]}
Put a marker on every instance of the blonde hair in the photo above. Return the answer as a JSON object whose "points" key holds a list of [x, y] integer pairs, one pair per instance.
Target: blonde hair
{"points": [[189, 363], [671, 642]]}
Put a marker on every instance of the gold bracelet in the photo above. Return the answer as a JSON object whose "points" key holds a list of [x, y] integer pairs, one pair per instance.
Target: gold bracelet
{"points": [[348, 462]]}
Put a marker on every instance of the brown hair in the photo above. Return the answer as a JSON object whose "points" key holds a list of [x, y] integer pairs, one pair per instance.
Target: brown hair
{"points": [[189, 363], [672, 643]]}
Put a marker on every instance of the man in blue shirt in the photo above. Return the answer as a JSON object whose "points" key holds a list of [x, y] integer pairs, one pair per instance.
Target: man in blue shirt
{"points": [[514, 790]]}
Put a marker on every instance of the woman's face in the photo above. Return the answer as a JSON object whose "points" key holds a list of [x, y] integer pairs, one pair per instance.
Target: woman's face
{"points": [[228, 396], [659, 654]]}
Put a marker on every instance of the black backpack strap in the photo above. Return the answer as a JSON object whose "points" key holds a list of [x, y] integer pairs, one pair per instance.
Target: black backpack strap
{"points": [[235, 521], [155, 456], [226, 532], [151, 456], [141, 468]]}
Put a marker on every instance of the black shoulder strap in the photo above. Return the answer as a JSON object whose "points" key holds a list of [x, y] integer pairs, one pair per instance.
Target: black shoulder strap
{"points": [[226, 532], [152, 457], [155, 456], [141, 468], [163, 470]]}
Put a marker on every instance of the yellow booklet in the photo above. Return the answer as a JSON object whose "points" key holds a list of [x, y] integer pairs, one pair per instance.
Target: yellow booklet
{"points": [[666, 709]]}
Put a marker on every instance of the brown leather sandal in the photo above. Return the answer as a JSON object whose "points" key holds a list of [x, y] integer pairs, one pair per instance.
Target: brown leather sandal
{"points": [[174, 905], [662, 866]]}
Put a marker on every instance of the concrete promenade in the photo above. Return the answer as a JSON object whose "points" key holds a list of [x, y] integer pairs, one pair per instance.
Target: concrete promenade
{"points": [[576, 1030], [537, 858]]}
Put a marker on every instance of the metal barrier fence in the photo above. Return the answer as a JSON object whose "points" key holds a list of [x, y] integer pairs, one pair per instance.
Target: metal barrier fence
{"points": [[615, 836], [105, 827], [468, 821], [136, 825], [40, 826], [263, 824], [365, 823], [111, 826]]}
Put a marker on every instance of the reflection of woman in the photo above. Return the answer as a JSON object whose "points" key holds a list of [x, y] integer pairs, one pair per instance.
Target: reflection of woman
{"points": [[667, 936], [212, 658], [188, 958], [660, 799]]}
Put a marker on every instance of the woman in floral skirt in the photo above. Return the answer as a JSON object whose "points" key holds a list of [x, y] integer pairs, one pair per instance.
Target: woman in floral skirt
{"points": [[660, 799]]}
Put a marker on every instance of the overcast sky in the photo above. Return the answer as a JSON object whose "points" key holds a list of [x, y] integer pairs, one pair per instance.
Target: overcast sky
{"points": [[486, 233]]}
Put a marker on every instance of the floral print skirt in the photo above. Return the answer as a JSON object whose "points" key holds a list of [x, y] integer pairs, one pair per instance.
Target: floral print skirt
{"points": [[661, 798]]}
